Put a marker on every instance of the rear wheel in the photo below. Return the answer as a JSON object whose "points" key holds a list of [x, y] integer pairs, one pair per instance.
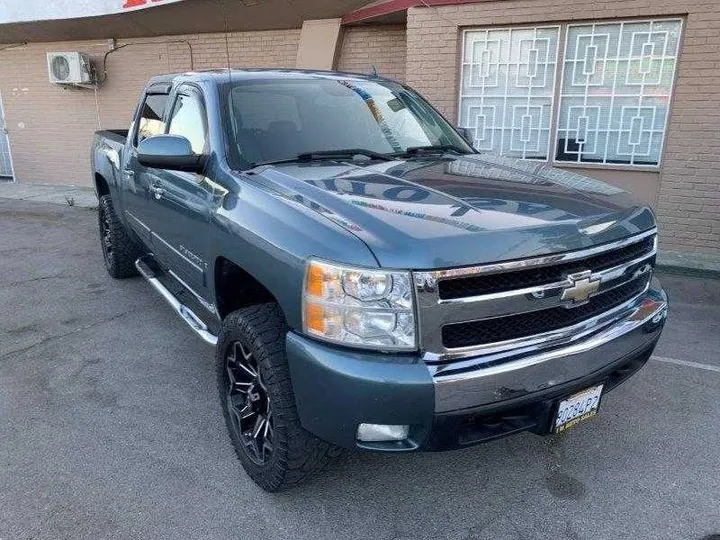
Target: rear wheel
{"points": [[258, 402], [119, 250]]}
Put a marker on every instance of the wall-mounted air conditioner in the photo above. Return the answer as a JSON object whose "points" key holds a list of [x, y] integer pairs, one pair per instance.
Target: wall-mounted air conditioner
{"points": [[69, 68]]}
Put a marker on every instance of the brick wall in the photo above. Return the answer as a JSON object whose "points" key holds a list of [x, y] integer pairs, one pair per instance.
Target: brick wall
{"points": [[381, 46], [51, 126], [688, 204]]}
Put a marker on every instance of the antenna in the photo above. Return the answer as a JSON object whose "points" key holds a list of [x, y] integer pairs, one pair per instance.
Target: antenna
{"points": [[227, 42], [233, 120], [374, 71]]}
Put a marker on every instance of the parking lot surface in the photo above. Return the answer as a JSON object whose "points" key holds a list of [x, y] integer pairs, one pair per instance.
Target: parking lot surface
{"points": [[110, 427]]}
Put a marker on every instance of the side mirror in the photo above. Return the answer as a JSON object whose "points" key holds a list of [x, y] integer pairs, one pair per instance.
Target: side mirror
{"points": [[467, 134], [172, 152]]}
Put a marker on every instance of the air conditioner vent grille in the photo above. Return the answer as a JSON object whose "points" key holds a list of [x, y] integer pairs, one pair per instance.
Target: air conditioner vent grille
{"points": [[69, 68]]}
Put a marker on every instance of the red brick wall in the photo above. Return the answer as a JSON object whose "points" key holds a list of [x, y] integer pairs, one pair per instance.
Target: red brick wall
{"points": [[688, 203], [381, 46]]}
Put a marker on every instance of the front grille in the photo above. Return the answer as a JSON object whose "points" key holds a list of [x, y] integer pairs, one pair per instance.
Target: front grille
{"points": [[492, 283], [485, 331]]}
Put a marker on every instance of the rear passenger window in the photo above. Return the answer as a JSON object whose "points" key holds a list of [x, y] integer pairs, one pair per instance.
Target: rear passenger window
{"points": [[151, 119]]}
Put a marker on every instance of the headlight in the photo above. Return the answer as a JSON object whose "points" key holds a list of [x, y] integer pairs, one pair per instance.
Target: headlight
{"points": [[354, 306]]}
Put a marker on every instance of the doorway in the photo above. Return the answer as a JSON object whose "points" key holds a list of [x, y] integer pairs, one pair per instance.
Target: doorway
{"points": [[6, 168]]}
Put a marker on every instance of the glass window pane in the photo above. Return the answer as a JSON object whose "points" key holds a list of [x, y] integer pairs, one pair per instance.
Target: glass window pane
{"points": [[616, 88], [507, 88], [188, 120], [281, 119], [151, 118]]}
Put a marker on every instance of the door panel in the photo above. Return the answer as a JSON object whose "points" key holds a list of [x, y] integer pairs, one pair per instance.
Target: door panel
{"points": [[182, 201], [6, 168], [137, 180], [182, 215]]}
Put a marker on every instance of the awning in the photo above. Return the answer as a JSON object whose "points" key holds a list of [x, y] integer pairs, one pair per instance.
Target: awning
{"points": [[39, 20]]}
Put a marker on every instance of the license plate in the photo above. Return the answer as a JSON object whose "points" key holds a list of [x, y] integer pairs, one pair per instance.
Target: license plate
{"points": [[577, 408]]}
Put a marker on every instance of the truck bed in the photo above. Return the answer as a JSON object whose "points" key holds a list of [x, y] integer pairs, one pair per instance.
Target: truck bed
{"points": [[106, 155]]}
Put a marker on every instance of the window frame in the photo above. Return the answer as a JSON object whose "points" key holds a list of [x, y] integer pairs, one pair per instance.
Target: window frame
{"points": [[559, 81]]}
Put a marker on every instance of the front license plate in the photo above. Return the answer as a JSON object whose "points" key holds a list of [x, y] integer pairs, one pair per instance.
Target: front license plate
{"points": [[577, 408]]}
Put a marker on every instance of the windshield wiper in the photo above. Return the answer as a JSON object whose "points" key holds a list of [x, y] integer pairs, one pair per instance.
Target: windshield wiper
{"points": [[344, 154], [339, 154], [433, 149]]}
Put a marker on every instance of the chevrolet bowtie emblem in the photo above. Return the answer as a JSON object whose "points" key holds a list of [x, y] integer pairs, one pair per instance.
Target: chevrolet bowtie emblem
{"points": [[582, 287]]}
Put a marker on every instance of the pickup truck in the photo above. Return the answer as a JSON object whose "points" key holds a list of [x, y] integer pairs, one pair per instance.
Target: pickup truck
{"points": [[368, 279]]}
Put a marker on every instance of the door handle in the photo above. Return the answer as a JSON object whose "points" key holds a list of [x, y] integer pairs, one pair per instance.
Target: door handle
{"points": [[128, 172], [157, 191]]}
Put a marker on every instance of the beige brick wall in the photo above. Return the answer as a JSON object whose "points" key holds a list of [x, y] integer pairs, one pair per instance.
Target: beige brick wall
{"points": [[51, 127], [688, 205], [381, 46]]}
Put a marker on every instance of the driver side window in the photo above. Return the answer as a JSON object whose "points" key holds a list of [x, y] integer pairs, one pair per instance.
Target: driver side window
{"points": [[188, 120]]}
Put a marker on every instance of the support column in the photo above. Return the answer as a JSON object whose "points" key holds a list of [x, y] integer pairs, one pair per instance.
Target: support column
{"points": [[319, 43]]}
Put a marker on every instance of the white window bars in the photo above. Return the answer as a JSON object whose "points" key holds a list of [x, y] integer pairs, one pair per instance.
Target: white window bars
{"points": [[614, 91]]}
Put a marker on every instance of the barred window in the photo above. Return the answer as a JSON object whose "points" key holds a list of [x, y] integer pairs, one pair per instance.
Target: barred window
{"points": [[613, 90], [508, 81]]}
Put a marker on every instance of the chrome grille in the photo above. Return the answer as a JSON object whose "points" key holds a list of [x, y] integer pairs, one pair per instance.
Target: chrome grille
{"points": [[507, 281], [500, 307], [527, 324]]}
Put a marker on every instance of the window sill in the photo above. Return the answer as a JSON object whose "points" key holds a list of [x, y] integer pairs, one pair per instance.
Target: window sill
{"points": [[606, 166]]}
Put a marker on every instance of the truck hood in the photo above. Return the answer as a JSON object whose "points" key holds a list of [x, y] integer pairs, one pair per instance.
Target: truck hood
{"points": [[446, 212]]}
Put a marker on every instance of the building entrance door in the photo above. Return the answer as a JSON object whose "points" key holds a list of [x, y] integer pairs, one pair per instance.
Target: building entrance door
{"points": [[6, 168]]}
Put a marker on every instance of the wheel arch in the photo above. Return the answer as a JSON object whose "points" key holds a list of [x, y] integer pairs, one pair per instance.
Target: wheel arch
{"points": [[236, 288], [101, 185]]}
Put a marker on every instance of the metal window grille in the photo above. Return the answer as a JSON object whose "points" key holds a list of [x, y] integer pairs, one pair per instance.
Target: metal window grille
{"points": [[615, 94], [507, 89], [615, 87]]}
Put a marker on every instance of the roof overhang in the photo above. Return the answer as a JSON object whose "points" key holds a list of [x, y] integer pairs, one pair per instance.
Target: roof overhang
{"points": [[104, 19], [394, 11]]}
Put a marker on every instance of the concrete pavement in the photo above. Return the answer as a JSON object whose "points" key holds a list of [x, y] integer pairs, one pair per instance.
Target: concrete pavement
{"points": [[82, 197], [110, 428]]}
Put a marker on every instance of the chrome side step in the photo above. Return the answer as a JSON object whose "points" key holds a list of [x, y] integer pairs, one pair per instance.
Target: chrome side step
{"points": [[185, 312]]}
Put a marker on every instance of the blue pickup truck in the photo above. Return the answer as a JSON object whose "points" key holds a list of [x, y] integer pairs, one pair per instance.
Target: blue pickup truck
{"points": [[368, 280]]}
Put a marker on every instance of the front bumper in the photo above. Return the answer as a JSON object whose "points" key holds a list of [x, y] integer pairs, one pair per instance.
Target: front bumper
{"points": [[337, 389]]}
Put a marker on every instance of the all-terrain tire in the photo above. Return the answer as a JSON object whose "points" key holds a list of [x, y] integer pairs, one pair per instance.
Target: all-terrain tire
{"points": [[259, 331], [119, 250]]}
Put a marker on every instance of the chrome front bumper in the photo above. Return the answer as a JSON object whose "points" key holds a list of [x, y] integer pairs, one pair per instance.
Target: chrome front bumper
{"points": [[336, 389], [484, 380]]}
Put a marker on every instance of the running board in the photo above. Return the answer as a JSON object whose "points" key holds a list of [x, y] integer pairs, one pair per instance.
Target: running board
{"points": [[185, 312]]}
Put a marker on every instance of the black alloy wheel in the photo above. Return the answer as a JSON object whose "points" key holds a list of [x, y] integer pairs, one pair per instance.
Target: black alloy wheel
{"points": [[106, 235], [258, 401], [249, 404]]}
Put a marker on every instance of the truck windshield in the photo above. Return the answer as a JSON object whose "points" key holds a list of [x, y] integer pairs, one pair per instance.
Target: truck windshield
{"points": [[275, 120]]}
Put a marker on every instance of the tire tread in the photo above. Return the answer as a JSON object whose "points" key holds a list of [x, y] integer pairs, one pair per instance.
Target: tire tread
{"points": [[300, 454], [125, 251]]}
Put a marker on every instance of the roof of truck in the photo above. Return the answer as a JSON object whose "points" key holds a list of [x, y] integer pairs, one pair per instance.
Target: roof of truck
{"points": [[258, 74]]}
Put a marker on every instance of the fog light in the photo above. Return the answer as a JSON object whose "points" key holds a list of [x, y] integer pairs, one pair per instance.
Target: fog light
{"points": [[381, 432]]}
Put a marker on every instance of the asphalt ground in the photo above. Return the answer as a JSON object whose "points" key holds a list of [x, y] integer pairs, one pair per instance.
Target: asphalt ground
{"points": [[110, 427]]}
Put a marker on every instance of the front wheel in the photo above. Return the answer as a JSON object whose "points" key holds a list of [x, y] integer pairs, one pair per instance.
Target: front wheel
{"points": [[258, 402]]}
